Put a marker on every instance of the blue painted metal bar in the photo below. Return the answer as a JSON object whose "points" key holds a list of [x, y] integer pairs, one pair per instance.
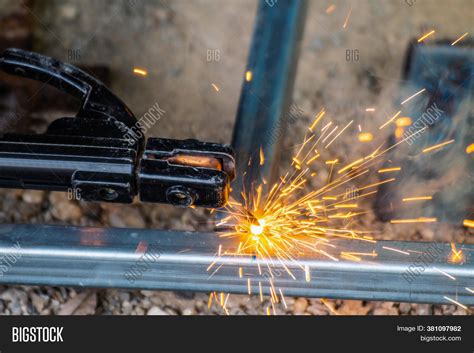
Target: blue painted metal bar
{"points": [[264, 107]]}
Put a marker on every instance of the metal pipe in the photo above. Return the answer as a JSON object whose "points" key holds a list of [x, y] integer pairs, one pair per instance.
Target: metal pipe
{"points": [[267, 89], [166, 260]]}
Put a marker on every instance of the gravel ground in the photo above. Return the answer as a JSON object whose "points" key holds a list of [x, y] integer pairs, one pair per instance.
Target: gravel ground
{"points": [[171, 40]]}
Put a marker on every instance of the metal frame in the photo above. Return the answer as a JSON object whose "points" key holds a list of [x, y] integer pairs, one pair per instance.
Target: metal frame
{"points": [[165, 260]]}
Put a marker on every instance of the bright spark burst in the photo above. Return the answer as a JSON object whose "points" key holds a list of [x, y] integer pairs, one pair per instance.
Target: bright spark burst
{"points": [[276, 225], [288, 220], [456, 256]]}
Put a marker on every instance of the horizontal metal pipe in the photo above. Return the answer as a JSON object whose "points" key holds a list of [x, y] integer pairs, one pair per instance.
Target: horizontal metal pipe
{"points": [[166, 260]]}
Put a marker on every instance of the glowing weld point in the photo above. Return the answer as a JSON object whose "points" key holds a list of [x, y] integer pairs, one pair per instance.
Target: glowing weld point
{"points": [[457, 255], [257, 229], [141, 72]]}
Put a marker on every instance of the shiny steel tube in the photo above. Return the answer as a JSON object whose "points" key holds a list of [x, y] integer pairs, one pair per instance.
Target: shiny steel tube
{"points": [[166, 260]]}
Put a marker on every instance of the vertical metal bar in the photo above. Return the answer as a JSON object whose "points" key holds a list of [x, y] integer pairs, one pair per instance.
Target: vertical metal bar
{"points": [[267, 89]]}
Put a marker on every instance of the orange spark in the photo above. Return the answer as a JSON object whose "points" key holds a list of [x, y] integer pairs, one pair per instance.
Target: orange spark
{"points": [[444, 273], [457, 255], [387, 170], [417, 198], [414, 220], [399, 132], [423, 37], [413, 95], [316, 120], [365, 137], [456, 302], [435, 147], [460, 38], [347, 205], [349, 124], [262, 157], [210, 300], [468, 223], [330, 8], [248, 76], [347, 18], [396, 250], [370, 110], [470, 148], [215, 87], [141, 72], [391, 119], [307, 273], [403, 121]]}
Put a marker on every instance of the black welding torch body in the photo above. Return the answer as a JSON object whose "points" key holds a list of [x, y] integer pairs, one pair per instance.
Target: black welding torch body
{"points": [[99, 155]]}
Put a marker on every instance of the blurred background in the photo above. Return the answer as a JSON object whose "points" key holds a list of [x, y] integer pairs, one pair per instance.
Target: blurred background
{"points": [[194, 54]]}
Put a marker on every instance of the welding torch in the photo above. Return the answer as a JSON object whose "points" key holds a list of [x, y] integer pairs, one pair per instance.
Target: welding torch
{"points": [[99, 155]]}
